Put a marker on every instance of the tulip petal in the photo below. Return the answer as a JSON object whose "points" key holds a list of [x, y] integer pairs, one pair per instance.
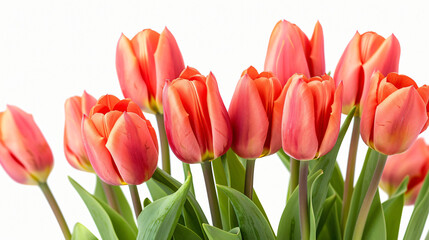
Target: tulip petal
{"points": [[276, 120], [14, 168], [87, 102], [317, 55]]}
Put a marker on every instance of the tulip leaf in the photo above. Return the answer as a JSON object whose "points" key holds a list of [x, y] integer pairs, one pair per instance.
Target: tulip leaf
{"points": [[393, 210], [186, 171], [146, 202], [221, 179], [375, 227], [110, 224], [215, 233], [284, 158], [158, 220], [80, 232], [313, 226], [252, 222], [327, 209], [337, 181], [331, 229], [182, 232]]}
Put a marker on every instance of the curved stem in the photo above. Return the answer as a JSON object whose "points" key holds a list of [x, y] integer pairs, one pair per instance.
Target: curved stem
{"points": [[164, 144], [294, 176], [303, 202], [136, 199], [111, 197], [56, 209], [211, 194], [248, 181]]}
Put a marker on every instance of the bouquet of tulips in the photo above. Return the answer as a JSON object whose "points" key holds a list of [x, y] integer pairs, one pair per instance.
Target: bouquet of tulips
{"points": [[293, 109]]}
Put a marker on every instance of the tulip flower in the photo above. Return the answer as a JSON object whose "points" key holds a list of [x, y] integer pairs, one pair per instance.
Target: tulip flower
{"points": [[24, 152], [413, 163], [290, 52], [121, 144], [74, 150], [364, 55], [311, 116], [144, 63], [394, 113]]}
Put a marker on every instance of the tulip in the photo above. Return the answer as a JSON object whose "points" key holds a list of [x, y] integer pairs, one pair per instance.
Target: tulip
{"points": [[24, 152], [74, 150], [311, 116], [394, 113], [413, 163], [290, 52], [144, 63], [121, 144], [364, 55]]}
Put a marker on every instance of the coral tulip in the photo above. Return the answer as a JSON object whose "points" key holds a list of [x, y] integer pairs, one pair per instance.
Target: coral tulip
{"points": [[24, 152], [255, 112], [144, 64], [311, 116], [413, 163], [121, 144], [197, 123], [74, 150], [364, 55], [394, 113], [290, 52]]}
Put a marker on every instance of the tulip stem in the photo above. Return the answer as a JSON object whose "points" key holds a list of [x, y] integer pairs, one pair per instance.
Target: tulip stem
{"points": [[110, 196], [351, 164], [294, 176], [136, 200], [369, 197], [248, 181], [303, 202], [211, 194], [164, 144], [56, 209]]}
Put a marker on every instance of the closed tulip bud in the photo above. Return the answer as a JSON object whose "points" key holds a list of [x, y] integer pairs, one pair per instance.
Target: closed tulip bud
{"points": [[24, 152], [196, 121], [75, 108], [364, 55], [121, 144], [394, 113], [311, 116], [290, 52], [255, 112], [413, 163], [144, 64]]}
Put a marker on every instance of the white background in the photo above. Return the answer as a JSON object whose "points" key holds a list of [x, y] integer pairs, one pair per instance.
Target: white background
{"points": [[51, 50]]}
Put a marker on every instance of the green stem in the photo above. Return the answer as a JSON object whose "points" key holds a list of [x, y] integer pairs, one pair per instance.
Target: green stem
{"points": [[110, 196], [56, 209], [294, 176], [211, 194], [303, 202], [164, 144], [351, 164], [369, 197], [136, 200], [186, 171], [248, 181]]}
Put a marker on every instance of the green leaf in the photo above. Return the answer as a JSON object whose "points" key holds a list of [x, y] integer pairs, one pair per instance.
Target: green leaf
{"points": [[312, 220], [289, 222], [375, 226], [80, 232], [327, 208], [186, 171], [215, 233], [158, 220], [331, 229], [146, 202], [182, 232], [110, 224], [337, 181], [284, 158], [253, 224], [221, 179], [393, 211]]}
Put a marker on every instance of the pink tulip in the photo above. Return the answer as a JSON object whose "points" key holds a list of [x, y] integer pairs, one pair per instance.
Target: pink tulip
{"points": [[290, 52], [311, 116], [196, 120], [144, 64], [121, 144], [394, 113], [24, 152]]}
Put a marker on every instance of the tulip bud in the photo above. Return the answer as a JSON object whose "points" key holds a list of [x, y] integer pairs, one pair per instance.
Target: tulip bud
{"points": [[290, 52], [74, 150], [364, 55], [196, 120], [394, 113], [24, 152], [144, 64], [311, 116], [413, 163], [121, 144], [255, 112]]}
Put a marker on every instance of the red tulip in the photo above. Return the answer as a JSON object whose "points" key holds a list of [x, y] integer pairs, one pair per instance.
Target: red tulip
{"points": [[24, 152], [144, 63], [290, 52], [413, 163], [365, 54], [255, 112], [74, 150], [394, 113], [311, 116], [121, 144], [196, 121]]}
